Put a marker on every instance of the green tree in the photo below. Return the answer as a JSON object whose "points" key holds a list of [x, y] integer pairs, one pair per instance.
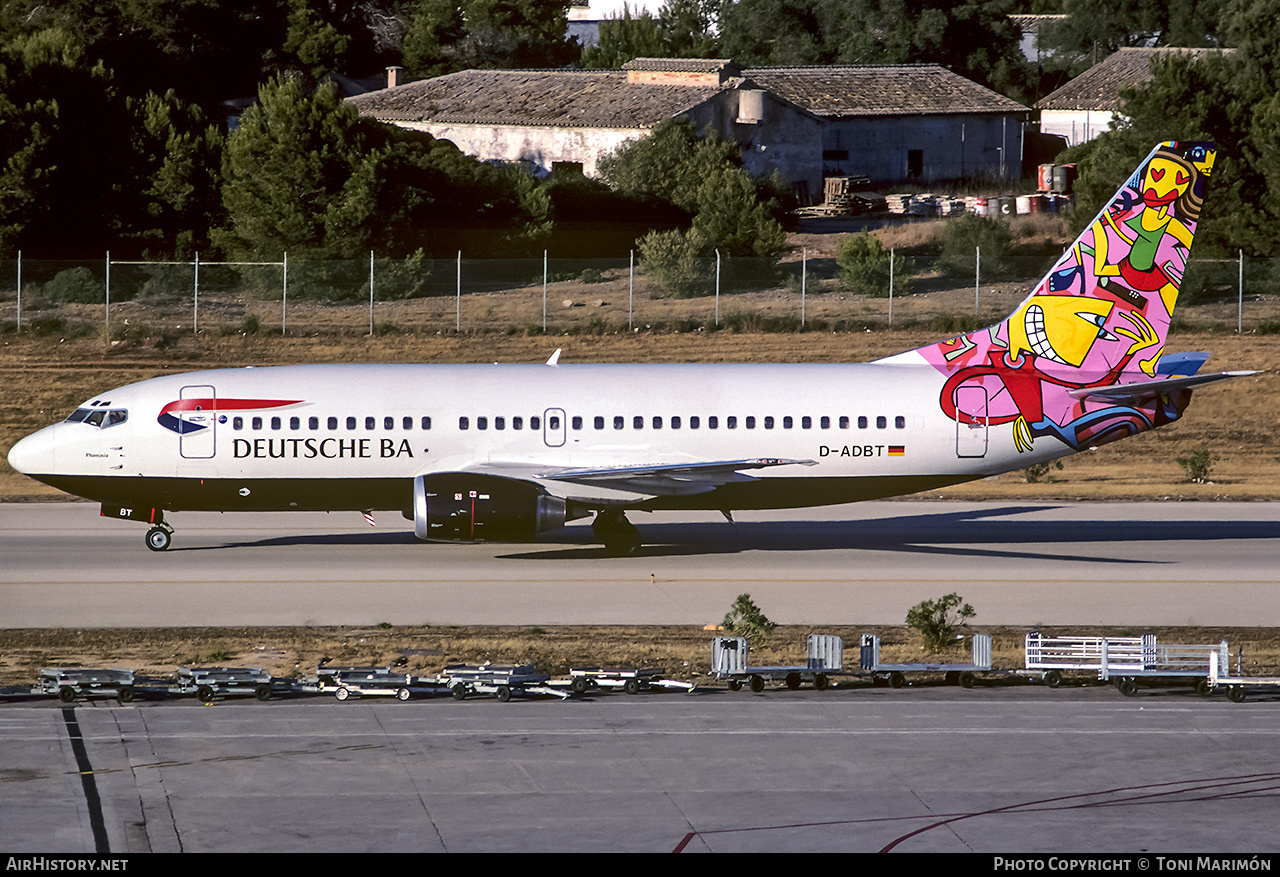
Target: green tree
{"points": [[939, 621], [623, 38], [286, 168], [865, 266], [448, 35]]}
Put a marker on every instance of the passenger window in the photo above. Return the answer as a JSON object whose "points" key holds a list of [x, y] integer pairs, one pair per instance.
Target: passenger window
{"points": [[407, 423], [499, 423], [517, 422], [806, 422], [371, 423], [351, 423], [844, 421], [694, 423], [881, 422], [675, 422], [426, 423], [768, 422], [899, 422], [535, 422], [577, 423], [482, 423], [751, 423], [599, 422], [388, 423], [862, 422], [786, 422], [464, 423], [731, 422], [637, 422], [257, 423], [237, 423], [275, 423], [295, 423], [825, 422], [657, 423], [333, 423], [313, 423], [619, 422], [713, 422]]}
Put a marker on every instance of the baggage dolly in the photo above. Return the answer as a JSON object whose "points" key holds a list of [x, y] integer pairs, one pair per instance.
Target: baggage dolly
{"points": [[503, 680], [343, 682], [210, 683], [583, 679], [72, 683], [824, 659], [895, 674]]}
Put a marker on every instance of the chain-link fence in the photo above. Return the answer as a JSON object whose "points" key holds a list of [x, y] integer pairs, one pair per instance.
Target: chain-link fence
{"points": [[130, 300]]}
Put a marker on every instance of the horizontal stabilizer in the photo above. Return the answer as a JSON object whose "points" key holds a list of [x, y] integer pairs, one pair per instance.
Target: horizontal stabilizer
{"points": [[1151, 389]]}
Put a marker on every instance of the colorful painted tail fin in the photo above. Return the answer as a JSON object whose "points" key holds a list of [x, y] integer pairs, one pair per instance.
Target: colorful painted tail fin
{"points": [[1098, 318]]}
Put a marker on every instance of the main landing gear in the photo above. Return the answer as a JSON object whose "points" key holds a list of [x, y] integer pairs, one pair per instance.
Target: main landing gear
{"points": [[620, 536]]}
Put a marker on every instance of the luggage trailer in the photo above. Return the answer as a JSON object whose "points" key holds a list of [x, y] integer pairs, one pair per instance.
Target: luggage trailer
{"points": [[583, 679], [824, 658], [503, 680], [345, 682], [210, 683], [1126, 660], [896, 674], [73, 683]]}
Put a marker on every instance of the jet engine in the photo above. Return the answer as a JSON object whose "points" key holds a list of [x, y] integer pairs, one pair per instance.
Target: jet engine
{"points": [[474, 507]]}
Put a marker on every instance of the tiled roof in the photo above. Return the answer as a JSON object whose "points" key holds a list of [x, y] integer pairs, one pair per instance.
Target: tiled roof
{"points": [[559, 98], [606, 99], [1030, 24], [901, 90], [1099, 87]]}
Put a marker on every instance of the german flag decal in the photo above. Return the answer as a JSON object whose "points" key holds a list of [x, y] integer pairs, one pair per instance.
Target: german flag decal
{"points": [[897, 450]]}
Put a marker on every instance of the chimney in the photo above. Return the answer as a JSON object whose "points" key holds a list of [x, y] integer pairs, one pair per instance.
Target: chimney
{"points": [[393, 76]]}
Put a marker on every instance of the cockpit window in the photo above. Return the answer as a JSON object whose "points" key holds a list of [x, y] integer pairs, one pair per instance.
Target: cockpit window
{"points": [[99, 417]]}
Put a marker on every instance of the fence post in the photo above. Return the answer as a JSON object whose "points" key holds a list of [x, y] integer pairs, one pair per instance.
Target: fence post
{"points": [[108, 310], [977, 276], [891, 250], [1240, 306], [284, 296], [631, 285], [804, 277], [19, 328], [544, 292], [371, 292], [195, 300], [459, 296], [717, 286]]}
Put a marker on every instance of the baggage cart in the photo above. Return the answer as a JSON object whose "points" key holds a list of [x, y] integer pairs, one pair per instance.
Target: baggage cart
{"points": [[210, 683], [896, 674], [824, 658], [503, 680], [73, 683], [583, 679], [347, 682], [1126, 661]]}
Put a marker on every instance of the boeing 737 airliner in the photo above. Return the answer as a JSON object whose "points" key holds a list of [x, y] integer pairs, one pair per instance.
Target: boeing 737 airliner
{"points": [[504, 452]]}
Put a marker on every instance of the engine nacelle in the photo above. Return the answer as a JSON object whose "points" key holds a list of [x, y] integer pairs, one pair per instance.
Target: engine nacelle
{"points": [[465, 507]]}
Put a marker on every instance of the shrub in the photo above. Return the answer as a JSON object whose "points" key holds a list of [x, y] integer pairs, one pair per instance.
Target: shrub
{"points": [[76, 286], [1198, 464], [865, 263], [675, 261], [937, 621], [967, 233], [1037, 472], [746, 620]]}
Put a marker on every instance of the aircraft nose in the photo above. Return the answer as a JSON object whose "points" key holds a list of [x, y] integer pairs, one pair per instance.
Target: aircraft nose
{"points": [[33, 455]]}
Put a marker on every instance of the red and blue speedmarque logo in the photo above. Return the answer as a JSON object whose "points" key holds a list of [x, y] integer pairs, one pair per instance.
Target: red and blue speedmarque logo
{"points": [[175, 423]]}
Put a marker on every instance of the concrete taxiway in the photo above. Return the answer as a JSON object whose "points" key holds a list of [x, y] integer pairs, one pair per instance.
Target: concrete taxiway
{"points": [[1150, 563], [993, 770]]}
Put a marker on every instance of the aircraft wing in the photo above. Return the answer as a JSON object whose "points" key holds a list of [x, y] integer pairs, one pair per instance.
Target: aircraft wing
{"points": [[671, 479], [1151, 389]]}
